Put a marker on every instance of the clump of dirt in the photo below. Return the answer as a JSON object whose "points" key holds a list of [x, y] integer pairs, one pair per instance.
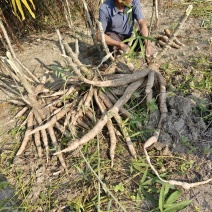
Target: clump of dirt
{"points": [[184, 129]]}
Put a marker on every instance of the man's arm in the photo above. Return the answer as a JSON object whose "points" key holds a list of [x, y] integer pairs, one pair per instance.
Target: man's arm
{"points": [[144, 31], [111, 42]]}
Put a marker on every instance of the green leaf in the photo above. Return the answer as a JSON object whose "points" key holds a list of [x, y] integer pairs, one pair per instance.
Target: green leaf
{"points": [[192, 84], [150, 181], [127, 5], [173, 197], [146, 38], [43, 196], [61, 72], [152, 106], [119, 187], [129, 39], [166, 191], [4, 185], [148, 196], [135, 134], [161, 198], [141, 47], [133, 47], [144, 176], [129, 11], [109, 205], [177, 206]]}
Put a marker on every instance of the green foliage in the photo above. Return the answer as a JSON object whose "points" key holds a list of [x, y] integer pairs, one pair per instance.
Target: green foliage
{"points": [[62, 73], [186, 166], [119, 187], [128, 11], [199, 77], [203, 10], [137, 40], [17, 130], [185, 142], [203, 108], [3, 185], [152, 106], [167, 201]]}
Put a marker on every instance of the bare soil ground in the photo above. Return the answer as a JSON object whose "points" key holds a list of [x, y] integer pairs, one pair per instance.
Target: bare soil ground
{"points": [[42, 186]]}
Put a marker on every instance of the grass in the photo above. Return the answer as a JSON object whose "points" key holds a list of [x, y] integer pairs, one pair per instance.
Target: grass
{"points": [[194, 80], [196, 77]]}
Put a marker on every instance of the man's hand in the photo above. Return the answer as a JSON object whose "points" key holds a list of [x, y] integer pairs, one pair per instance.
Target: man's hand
{"points": [[123, 46]]}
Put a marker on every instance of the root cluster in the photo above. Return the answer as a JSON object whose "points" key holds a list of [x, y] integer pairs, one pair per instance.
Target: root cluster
{"points": [[162, 40], [73, 110]]}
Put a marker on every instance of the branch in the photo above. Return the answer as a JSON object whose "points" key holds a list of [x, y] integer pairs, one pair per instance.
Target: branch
{"points": [[7, 39], [90, 23], [60, 41], [75, 59], [106, 49]]}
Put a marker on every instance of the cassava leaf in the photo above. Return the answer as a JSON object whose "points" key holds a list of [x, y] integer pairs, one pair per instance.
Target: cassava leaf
{"points": [[129, 11], [141, 47], [129, 39], [146, 38], [133, 47]]}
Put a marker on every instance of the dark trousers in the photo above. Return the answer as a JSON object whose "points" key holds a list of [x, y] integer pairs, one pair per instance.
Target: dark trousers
{"points": [[117, 37]]}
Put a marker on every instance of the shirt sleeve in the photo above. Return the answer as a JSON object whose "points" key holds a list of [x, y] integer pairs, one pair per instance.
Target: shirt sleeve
{"points": [[103, 17], [137, 10]]}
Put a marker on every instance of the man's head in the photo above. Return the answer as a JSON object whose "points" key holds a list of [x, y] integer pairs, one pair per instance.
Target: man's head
{"points": [[125, 1]]}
